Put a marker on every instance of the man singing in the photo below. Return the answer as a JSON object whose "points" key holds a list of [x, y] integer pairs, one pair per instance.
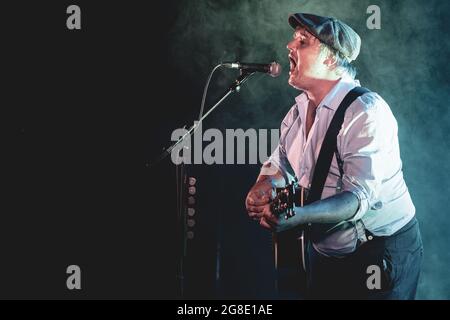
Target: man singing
{"points": [[363, 195]]}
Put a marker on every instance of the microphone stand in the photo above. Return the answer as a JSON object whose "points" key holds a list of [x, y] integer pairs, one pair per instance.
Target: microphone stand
{"points": [[235, 87], [181, 221]]}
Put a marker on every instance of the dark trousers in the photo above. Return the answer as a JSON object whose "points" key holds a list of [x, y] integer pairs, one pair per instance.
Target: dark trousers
{"points": [[382, 268]]}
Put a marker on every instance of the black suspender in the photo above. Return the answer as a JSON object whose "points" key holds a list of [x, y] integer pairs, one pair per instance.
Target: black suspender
{"points": [[329, 146]]}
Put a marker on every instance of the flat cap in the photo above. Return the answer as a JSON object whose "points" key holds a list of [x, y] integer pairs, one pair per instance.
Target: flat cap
{"points": [[330, 31]]}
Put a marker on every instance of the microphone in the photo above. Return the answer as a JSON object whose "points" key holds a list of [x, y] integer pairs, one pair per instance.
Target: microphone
{"points": [[273, 68]]}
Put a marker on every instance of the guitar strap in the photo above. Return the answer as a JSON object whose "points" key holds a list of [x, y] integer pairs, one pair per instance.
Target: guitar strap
{"points": [[329, 147]]}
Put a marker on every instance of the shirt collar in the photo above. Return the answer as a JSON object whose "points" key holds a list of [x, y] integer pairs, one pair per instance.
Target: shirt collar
{"points": [[334, 98]]}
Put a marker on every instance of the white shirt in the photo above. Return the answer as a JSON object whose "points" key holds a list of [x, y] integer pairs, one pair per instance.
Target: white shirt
{"points": [[367, 144]]}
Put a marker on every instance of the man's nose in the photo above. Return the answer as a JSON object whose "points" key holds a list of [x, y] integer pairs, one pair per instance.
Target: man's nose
{"points": [[290, 45]]}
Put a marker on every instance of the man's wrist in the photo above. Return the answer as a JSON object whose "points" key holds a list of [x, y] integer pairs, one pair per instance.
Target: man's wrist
{"points": [[300, 217]]}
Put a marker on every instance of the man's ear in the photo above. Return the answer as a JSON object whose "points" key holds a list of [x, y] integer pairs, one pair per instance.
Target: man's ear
{"points": [[330, 61]]}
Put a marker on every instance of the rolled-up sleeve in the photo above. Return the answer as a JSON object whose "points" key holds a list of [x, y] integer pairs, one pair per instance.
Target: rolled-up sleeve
{"points": [[363, 138], [276, 162]]}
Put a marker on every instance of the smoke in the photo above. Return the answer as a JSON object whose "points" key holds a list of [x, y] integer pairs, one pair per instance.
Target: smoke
{"points": [[405, 62]]}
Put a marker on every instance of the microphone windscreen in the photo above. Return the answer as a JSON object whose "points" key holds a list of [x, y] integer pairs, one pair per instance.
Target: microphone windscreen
{"points": [[275, 69]]}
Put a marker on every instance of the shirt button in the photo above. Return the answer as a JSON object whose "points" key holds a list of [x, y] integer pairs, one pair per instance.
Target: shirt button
{"points": [[378, 205]]}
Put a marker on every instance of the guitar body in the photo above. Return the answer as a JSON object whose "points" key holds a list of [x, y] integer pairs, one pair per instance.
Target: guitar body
{"points": [[289, 246], [288, 249]]}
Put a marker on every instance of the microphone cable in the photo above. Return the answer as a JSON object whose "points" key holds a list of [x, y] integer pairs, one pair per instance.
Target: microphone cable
{"points": [[205, 90]]}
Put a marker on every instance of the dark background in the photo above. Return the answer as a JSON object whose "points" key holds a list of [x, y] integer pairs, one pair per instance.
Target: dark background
{"points": [[86, 110]]}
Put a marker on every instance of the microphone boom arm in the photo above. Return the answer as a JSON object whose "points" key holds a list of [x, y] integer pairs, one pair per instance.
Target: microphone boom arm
{"points": [[234, 87]]}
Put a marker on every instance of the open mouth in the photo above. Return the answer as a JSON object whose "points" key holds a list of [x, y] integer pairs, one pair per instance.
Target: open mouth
{"points": [[292, 62]]}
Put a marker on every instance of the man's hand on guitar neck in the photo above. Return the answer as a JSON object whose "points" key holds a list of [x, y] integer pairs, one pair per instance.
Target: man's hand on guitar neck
{"points": [[260, 195], [334, 209], [259, 198], [259, 208]]}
